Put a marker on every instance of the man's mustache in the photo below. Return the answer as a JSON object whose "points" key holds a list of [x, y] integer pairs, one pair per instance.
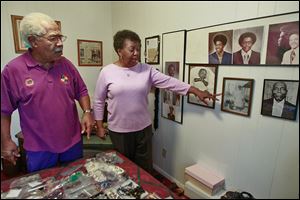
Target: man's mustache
{"points": [[58, 49]]}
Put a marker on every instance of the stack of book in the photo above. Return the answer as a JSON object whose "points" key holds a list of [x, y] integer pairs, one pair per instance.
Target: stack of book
{"points": [[204, 179]]}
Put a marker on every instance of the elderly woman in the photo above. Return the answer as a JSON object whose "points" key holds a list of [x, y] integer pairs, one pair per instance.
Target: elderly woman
{"points": [[125, 85], [43, 85]]}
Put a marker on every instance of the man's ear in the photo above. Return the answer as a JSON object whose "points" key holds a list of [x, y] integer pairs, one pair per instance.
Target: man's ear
{"points": [[33, 41]]}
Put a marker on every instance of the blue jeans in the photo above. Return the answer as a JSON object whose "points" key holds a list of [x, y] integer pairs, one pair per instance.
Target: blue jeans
{"points": [[38, 160]]}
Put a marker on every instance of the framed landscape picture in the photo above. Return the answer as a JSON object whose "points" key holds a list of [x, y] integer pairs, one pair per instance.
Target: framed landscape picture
{"points": [[237, 95], [89, 53]]}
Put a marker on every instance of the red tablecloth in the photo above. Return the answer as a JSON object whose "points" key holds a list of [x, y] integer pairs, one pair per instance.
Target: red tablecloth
{"points": [[140, 176]]}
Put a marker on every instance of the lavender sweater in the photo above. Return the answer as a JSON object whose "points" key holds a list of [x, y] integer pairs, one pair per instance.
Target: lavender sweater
{"points": [[126, 92]]}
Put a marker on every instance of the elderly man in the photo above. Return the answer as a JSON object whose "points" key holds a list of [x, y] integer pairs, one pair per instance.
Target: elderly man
{"points": [[278, 105], [43, 85], [292, 56]]}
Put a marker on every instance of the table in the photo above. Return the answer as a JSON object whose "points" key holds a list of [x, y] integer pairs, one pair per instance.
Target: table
{"points": [[137, 174]]}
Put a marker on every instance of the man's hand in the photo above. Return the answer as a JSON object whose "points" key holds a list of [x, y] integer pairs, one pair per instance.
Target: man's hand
{"points": [[9, 151], [87, 123]]}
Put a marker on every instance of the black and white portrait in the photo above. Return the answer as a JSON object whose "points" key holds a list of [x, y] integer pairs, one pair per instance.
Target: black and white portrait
{"points": [[203, 77], [280, 98], [236, 95], [171, 101]]}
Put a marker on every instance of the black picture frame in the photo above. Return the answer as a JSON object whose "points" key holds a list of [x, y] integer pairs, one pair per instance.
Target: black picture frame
{"points": [[287, 94], [173, 51]]}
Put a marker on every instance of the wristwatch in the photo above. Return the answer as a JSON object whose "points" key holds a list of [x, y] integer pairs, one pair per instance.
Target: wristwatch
{"points": [[88, 111]]}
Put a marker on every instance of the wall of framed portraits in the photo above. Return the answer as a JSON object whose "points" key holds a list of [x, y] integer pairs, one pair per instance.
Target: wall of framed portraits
{"points": [[254, 152], [267, 38]]}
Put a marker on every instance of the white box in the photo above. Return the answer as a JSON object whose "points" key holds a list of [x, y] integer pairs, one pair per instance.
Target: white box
{"points": [[194, 192]]}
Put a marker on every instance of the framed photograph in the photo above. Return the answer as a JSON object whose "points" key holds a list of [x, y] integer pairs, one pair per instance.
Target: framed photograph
{"points": [[173, 46], [245, 40], [237, 95], [220, 47], [18, 40], [89, 53], [203, 77], [283, 42], [280, 98], [171, 100], [152, 50]]}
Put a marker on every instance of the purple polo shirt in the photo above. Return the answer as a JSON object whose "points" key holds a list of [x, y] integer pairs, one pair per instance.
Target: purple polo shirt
{"points": [[45, 100]]}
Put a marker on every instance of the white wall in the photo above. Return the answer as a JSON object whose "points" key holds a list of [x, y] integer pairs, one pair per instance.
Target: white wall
{"points": [[79, 20], [258, 154]]}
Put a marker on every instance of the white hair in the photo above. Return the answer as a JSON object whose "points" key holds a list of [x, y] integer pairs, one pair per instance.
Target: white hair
{"points": [[34, 24]]}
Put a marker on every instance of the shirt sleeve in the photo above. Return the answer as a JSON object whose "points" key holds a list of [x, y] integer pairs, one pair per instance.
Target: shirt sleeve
{"points": [[100, 96], [161, 80], [9, 101]]}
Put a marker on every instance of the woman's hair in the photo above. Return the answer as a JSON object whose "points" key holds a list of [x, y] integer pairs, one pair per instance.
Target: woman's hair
{"points": [[121, 36], [34, 24], [221, 38], [247, 34]]}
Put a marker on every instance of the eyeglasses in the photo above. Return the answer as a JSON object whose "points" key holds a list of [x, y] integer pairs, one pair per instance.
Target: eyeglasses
{"points": [[55, 38]]}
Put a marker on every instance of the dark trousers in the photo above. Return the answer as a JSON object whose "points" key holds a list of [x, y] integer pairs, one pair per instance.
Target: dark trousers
{"points": [[137, 146]]}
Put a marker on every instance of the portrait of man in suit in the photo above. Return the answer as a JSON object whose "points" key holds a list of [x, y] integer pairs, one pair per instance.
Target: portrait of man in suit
{"points": [[220, 56], [279, 38], [291, 56], [246, 55], [278, 104]]}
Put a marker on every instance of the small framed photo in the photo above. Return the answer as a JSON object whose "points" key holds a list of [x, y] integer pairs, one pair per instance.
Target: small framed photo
{"points": [[203, 77], [280, 98], [18, 40], [152, 50], [171, 101], [237, 95], [89, 53]]}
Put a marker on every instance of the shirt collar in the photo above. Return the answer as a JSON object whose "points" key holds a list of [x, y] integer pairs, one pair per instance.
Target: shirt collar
{"points": [[30, 62], [281, 103], [248, 53]]}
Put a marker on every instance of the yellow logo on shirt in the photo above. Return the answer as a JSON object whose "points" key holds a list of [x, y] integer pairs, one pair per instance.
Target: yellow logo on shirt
{"points": [[64, 78], [29, 82]]}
